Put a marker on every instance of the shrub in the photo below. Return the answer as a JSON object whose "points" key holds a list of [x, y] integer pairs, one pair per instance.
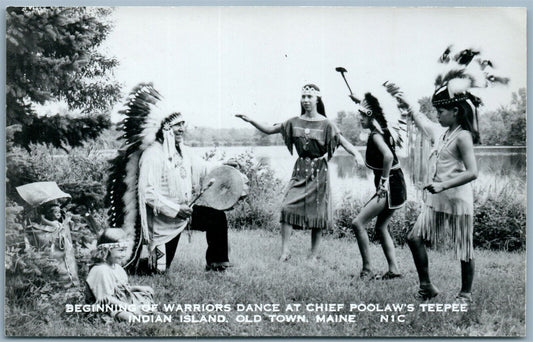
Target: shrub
{"points": [[260, 209], [500, 214], [81, 173], [499, 221], [33, 283]]}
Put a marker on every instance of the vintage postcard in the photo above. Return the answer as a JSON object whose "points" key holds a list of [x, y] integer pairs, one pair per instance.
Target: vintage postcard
{"points": [[265, 171]]}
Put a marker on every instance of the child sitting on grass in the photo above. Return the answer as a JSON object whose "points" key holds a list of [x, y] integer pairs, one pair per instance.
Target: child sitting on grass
{"points": [[108, 282]]}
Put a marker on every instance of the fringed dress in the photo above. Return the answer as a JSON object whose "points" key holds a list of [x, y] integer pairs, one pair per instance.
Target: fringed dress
{"points": [[307, 202], [448, 214]]}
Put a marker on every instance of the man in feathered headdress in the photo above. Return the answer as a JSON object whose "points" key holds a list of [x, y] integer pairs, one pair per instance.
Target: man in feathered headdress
{"points": [[151, 186]]}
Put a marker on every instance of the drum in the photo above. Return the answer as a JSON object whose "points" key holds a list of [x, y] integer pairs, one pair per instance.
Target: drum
{"points": [[228, 185]]}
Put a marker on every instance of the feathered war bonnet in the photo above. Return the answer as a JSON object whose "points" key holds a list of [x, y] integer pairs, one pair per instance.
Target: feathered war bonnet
{"points": [[385, 107], [461, 75], [145, 115]]}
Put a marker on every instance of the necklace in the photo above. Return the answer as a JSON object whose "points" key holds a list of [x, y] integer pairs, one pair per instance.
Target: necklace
{"points": [[447, 137], [177, 162]]}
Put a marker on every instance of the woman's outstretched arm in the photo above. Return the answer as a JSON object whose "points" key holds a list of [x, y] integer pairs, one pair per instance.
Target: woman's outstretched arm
{"points": [[276, 128]]}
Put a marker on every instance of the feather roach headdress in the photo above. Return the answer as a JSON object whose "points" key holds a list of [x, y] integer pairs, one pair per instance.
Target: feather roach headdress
{"points": [[461, 75], [387, 109], [145, 115]]}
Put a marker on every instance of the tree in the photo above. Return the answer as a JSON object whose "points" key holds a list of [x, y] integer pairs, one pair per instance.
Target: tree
{"points": [[506, 125], [426, 107], [517, 119], [52, 55], [493, 130], [350, 126], [262, 139]]}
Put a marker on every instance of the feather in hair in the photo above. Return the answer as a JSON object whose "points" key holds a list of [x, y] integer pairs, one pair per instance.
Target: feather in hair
{"points": [[383, 104], [461, 67]]}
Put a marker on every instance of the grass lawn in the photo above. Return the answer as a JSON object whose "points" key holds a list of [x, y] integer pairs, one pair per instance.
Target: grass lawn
{"points": [[258, 278]]}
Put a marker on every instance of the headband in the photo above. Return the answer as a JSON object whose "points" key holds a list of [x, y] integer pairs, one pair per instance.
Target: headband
{"points": [[112, 245], [364, 108], [171, 120], [447, 98], [307, 90]]}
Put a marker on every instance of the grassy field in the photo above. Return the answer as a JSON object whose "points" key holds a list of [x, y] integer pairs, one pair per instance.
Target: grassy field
{"points": [[258, 278]]}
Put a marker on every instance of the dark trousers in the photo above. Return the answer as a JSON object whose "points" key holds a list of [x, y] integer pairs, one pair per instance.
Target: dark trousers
{"points": [[215, 225]]}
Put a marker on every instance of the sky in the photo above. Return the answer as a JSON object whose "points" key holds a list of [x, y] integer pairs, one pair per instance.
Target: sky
{"points": [[213, 62]]}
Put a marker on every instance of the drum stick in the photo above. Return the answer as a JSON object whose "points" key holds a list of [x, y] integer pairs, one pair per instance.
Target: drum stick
{"points": [[211, 182]]}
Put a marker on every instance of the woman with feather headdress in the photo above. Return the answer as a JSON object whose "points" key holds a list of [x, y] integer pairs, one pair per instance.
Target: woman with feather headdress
{"points": [[448, 207], [378, 115]]}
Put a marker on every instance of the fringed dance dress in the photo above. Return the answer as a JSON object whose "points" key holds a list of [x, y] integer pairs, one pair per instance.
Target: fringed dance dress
{"points": [[448, 214], [307, 201]]}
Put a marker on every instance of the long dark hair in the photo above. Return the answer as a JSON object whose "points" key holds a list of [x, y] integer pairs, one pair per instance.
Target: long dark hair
{"points": [[377, 112], [319, 104], [466, 117]]}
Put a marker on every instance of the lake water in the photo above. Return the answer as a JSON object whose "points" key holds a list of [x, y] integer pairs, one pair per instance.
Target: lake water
{"points": [[493, 163]]}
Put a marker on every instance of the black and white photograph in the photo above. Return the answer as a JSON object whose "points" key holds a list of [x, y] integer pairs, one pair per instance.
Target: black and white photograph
{"points": [[265, 171]]}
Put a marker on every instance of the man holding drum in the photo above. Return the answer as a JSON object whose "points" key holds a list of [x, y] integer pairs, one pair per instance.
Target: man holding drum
{"points": [[161, 173]]}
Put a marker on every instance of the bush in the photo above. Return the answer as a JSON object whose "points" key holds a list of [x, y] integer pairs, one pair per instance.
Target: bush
{"points": [[499, 221], [261, 208], [80, 173], [33, 283], [500, 215]]}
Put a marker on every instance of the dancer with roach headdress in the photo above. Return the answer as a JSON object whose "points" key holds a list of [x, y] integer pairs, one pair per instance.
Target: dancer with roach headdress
{"points": [[381, 114], [448, 204]]}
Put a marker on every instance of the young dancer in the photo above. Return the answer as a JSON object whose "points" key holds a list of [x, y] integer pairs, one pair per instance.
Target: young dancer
{"points": [[448, 207], [388, 179]]}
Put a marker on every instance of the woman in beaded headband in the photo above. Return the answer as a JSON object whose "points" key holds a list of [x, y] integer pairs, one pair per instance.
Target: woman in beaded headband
{"points": [[307, 203], [311, 89]]}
